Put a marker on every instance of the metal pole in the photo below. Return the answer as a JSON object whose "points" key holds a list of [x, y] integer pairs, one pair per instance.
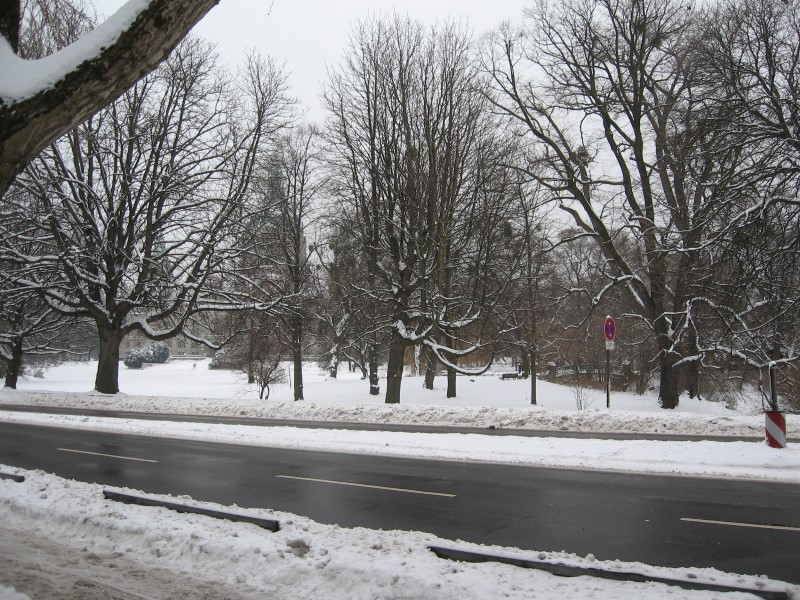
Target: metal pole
{"points": [[608, 379], [773, 386]]}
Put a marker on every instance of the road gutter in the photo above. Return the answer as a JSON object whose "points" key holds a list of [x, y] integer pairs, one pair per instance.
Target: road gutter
{"points": [[563, 570]]}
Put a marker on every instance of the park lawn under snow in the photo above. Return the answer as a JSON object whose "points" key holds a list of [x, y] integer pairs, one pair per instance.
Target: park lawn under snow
{"points": [[485, 401]]}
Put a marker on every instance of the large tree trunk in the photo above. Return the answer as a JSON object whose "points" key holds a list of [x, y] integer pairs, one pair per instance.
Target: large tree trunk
{"points": [[533, 374], [28, 126], [526, 364], [451, 382], [394, 371], [107, 380], [15, 364], [333, 365], [430, 367], [251, 357], [374, 384], [669, 380], [668, 392], [297, 356], [692, 370]]}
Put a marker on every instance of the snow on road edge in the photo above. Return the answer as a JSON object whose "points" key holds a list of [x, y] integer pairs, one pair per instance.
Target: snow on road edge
{"points": [[752, 460], [529, 417], [306, 558]]}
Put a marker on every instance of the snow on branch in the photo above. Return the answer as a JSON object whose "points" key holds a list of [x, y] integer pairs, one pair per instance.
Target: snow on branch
{"points": [[21, 79], [442, 353]]}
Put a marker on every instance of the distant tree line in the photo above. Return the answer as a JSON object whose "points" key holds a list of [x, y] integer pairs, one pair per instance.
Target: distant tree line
{"points": [[466, 200]]}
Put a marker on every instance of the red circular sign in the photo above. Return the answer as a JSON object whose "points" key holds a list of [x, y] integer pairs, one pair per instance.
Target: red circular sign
{"points": [[610, 329]]}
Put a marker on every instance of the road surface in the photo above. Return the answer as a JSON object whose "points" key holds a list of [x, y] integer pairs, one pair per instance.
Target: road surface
{"points": [[737, 526]]}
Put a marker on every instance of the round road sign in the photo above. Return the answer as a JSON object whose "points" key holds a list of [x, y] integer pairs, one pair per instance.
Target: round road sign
{"points": [[610, 329]]}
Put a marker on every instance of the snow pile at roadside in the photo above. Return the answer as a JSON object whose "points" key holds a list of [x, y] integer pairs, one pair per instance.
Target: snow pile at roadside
{"points": [[190, 387], [752, 460], [520, 417], [304, 559]]}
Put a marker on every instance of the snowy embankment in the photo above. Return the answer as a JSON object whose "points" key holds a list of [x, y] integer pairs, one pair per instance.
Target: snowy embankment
{"points": [[185, 387], [483, 402], [752, 460], [94, 546]]}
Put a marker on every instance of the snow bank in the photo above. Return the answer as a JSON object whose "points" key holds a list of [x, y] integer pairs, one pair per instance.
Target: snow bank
{"points": [[304, 559], [180, 387]]}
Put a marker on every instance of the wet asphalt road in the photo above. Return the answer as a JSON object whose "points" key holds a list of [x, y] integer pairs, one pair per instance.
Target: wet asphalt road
{"points": [[670, 521]]}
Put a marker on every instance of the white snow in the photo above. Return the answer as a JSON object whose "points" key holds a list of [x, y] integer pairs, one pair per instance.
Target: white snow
{"points": [[482, 401], [21, 79], [9, 593], [306, 558]]}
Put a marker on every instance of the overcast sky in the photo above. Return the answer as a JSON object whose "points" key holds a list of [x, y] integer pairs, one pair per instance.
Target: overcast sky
{"points": [[310, 34]]}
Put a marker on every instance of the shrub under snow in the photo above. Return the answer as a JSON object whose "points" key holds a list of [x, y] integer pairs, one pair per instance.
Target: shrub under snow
{"points": [[154, 353]]}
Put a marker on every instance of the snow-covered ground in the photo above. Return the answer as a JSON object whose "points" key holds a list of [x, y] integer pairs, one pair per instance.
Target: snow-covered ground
{"points": [[179, 387], [97, 546], [70, 519]]}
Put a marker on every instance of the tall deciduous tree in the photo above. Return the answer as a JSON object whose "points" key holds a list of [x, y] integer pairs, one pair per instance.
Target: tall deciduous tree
{"points": [[751, 51], [135, 202], [407, 128], [28, 325], [291, 189], [627, 141]]}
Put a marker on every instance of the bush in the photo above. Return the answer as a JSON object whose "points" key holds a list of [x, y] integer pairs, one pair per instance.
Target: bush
{"points": [[225, 359], [154, 353]]}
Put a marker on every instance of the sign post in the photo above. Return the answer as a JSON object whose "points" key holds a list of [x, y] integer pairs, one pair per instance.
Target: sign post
{"points": [[776, 421], [610, 331]]}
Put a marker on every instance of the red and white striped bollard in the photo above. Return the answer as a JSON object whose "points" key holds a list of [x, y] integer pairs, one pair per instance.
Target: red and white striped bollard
{"points": [[776, 429]]}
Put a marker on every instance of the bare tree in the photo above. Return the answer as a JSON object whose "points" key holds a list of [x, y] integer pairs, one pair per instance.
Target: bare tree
{"points": [[407, 127], [751, 51], [297, 160], [527, 304], [29, 325], [627, 141], [344, 306], [135, 202], [263, 356], [750, 48]]}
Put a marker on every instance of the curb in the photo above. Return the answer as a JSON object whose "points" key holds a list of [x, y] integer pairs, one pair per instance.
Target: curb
{"points": [[563, 570], [270, 524], [17, 478]]}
